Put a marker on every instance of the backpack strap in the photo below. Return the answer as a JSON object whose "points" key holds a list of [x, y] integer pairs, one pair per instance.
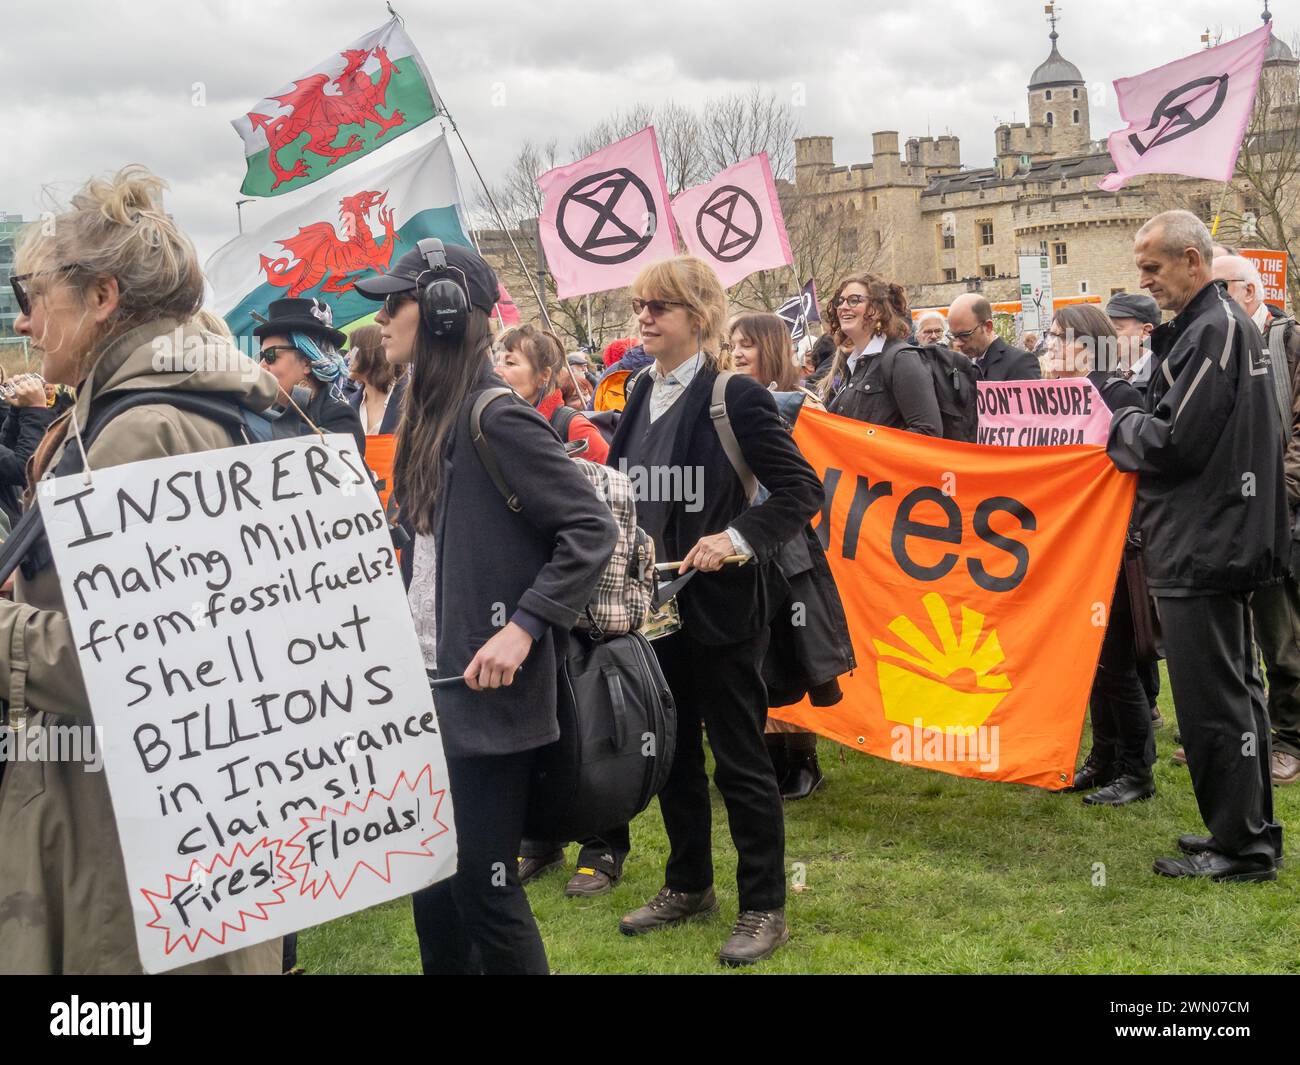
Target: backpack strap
{"points": [[1281, 367], [727, 435], [484, 449], [561, 419]]}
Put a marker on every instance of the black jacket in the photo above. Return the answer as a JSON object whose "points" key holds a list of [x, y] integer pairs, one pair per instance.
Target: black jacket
{"points": [[328, 411], [392, 413], [1208, 451], [737, 602], [892, 388], [21, 433], [492, 563], [1002, 362]]}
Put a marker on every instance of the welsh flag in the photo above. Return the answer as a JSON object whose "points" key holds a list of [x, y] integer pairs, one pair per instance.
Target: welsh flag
{"points": [[357, 100], [364, 222]]}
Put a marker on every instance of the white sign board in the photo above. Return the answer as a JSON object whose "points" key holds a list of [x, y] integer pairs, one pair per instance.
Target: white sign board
{"points": [[1036, 293], [269, 737]]}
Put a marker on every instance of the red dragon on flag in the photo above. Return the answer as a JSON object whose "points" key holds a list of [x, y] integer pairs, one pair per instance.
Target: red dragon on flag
{"points": [[316, 253], [321, 114]]}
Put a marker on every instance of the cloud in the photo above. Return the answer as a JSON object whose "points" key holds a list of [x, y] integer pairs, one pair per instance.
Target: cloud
{"points": [[88, 87]]}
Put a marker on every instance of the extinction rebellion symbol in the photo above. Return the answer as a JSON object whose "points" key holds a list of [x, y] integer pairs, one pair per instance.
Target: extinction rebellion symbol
{"points": [[729, 223], [1175, 116], [593, 216]]}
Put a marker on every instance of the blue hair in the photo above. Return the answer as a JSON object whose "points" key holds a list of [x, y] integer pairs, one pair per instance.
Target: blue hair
{"points": [[326, 364]]}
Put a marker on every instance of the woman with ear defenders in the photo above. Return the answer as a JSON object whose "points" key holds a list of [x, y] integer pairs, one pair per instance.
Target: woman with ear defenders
{"points": [[476, 563]]}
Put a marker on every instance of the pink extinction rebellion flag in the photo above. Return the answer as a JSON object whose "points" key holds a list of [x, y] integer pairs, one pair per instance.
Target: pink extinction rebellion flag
{"points": [[1189, 116], [605, 218], [734, 222]]}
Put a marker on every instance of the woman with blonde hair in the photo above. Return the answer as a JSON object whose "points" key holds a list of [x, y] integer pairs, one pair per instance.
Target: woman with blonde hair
{"points": [[105, 294], [714, 663]]}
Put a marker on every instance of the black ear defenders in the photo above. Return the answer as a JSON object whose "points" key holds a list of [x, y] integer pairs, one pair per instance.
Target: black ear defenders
{"points": [[444, 300]]}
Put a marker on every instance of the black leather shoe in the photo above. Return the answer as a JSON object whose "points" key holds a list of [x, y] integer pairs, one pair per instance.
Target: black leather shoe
{"points": [[669, 908], [757, 935], [1092, 774], [588, 881], [1205, 844], [803, 777], [1131, 787], [1217, 867], [530, 868]]}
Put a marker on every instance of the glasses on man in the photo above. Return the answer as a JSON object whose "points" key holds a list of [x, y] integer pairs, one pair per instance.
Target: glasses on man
{"points": [[22, 294], [657, 308], [270, 353], [965, 334], [856, 300]]}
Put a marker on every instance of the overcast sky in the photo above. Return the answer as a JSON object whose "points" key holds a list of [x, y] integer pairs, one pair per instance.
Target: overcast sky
{"points": [[88, 86]]}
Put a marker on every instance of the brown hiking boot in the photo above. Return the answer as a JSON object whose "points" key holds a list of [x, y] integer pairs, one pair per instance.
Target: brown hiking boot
{"points": [[757, 935], [668, 908], [1285, 768]]}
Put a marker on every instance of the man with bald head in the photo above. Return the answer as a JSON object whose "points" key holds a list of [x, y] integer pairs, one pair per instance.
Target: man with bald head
{"points": [[1276, 609], [1211, 504], [970, 331]]}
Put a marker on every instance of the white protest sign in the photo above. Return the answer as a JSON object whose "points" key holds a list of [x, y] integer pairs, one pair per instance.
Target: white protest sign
{"points": [[269, 737]]}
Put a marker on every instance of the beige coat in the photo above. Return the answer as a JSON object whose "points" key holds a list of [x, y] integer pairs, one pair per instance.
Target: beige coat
{"points": [[64, 906]]}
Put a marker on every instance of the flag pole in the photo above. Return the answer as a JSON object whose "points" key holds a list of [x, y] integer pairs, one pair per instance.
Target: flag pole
{"points": [[1227, 188]]}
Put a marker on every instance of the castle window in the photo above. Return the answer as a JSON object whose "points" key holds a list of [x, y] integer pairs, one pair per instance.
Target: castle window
{"points": [[990, 271], [1049, 94], [1076, 117], [875, 204], [949, 239], [950, 275], [1059, 256], [986, 234], [1051, 121], [1083, 288], [1075, 93]]}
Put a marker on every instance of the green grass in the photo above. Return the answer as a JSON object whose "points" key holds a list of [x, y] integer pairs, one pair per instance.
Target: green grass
{"points": [[911, 871]]}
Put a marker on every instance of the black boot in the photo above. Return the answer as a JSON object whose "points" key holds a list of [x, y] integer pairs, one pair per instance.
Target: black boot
{"points": [[1129, 787], [779, 753], [1092, 774], [805, 775]]}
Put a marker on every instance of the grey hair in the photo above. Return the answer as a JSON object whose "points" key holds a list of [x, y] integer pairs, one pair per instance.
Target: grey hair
{"points": [[927, 316], [1246, 269], [1178, 231]]}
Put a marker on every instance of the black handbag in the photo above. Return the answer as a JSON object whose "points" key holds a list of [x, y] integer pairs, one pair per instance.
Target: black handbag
{"points": [[618, 733], [1146, 622]]}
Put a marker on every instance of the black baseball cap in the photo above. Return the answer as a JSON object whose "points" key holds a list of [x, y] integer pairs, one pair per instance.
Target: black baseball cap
{"points": [[411, 272], [1133, 305]]}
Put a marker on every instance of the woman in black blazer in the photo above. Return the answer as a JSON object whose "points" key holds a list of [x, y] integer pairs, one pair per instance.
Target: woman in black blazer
{"points": [[379, 384], [714, 664], [493, 593], [883, 381]]}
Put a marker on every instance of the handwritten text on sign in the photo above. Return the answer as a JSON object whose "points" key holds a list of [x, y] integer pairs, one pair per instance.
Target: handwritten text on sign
{"points": [[270, 740], [1042, 413]]}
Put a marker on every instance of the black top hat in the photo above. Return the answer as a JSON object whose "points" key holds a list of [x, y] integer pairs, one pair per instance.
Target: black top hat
{"points": [[308, 316]]}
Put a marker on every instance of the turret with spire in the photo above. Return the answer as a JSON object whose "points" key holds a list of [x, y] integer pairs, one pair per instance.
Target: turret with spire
{"points": [[1058, 98]]}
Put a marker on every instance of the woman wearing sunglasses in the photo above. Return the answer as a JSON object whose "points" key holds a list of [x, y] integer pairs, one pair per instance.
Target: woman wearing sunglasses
{"points": [[492, 592], [881, 380], [300, 350], [714, 663], [106, 293]]}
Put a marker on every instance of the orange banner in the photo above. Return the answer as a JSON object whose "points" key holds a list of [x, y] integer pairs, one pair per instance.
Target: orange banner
{"points": [[977, 582], [379, 457]]}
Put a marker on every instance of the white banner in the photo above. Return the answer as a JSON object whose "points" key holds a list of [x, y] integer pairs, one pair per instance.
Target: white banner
{"points": [[1036, 294], [269, 737]]}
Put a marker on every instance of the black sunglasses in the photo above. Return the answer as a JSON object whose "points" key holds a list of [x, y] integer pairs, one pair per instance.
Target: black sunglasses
{"points": [[269, 354], [24, 298], [394, 300], [657, 307]]}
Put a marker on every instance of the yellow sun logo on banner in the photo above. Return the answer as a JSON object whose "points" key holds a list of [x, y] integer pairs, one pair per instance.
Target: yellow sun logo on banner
{"points": [[950, 686]]}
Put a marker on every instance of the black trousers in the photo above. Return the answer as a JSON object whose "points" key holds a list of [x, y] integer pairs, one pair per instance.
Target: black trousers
{"points": [[478, 921], [1122, 735], [722, 688], [1219, 699], [1276, 612], [1149, 675]]}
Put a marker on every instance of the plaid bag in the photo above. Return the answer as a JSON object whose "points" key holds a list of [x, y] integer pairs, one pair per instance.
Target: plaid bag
{"points": [[623, 593]]}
